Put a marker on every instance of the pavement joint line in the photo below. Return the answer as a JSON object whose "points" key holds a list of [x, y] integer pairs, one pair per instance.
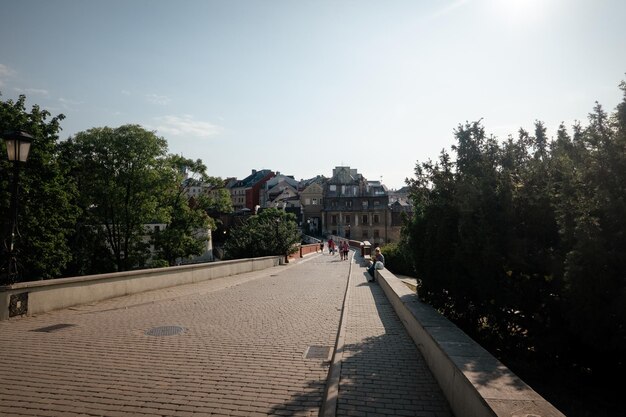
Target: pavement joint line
{"points": [[331, 394]]}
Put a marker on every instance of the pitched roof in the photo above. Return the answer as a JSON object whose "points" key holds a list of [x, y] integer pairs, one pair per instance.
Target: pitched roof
{"points": [[252, 179], [345, 175]]}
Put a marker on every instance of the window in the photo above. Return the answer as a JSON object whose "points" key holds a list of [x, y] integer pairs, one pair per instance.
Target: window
{"points": [[364, 219], [332, 187], [333, 219], [307, 201], [315, 201], [347, 219], [349, 203], [365, 204], [376, 219], [365, 234], [376, 203], [333, 204], [376, 234]]}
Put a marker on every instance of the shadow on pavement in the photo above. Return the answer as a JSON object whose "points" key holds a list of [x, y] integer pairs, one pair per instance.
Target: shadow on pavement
{"points": [[381, 371]]}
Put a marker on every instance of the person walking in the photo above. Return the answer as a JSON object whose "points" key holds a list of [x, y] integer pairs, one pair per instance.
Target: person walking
{"points": [[346, 250], [322, 246], [331, 246]]}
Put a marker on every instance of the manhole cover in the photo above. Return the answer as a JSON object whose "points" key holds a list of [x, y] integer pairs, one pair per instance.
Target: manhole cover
{"points": [[53, 328], [317, 352], [165, 331]]}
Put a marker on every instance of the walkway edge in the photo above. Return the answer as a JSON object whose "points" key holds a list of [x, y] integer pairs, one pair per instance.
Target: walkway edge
{"points": [[331, 395], [474, 382]]}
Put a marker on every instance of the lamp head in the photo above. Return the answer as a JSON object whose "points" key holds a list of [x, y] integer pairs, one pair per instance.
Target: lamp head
{"points": [[18, 145]]}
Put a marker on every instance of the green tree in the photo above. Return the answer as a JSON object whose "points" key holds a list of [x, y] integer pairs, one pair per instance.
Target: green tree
{"points": [[121, 174], [521, 242], [271, 232], [219, 201], [47, 210], [186, 219], [590, 211]]}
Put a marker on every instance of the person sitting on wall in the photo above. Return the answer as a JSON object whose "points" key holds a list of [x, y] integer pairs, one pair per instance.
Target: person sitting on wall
{"points": [[378, 262]]}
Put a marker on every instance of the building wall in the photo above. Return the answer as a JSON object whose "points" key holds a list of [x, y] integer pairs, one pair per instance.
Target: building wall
{"points": [[253, 194], [355, 208], [312, 202], [238, 197], [372, 225]]}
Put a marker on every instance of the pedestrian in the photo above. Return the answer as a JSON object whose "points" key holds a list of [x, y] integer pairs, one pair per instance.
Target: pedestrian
{"points": [[378, 262], [346, 250], [331, 246], [322, 245]]}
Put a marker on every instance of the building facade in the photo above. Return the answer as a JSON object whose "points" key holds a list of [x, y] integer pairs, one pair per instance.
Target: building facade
{"points": [[280, 191], [345, 205], [312, 201], [355, 208], [246, 193]]}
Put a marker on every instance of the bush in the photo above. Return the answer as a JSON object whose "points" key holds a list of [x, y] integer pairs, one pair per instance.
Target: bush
{"points": [[398, 260]]}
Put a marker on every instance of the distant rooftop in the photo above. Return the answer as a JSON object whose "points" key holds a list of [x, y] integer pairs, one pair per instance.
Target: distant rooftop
{"points": [[345, 175], [252, 179]]}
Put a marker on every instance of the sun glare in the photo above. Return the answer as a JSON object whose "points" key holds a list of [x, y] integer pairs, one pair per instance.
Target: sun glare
{"points": [[521, 11]]}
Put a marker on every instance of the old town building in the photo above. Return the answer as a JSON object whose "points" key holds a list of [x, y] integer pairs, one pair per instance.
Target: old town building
{"points": [[312, 199], [355, 208], [245, 194]]}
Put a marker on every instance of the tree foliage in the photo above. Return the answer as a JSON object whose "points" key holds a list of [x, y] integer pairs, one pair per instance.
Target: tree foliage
{"points": [[522, 241], [120, 175], [271, 232], [187, 221], [126, 182], [47, 212]]}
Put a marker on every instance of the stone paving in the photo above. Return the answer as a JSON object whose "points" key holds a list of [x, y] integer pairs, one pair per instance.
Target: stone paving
{"points": [[236, 346], [382, 372]]}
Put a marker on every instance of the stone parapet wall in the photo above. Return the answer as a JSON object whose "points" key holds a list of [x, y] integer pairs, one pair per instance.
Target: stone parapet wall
{"points": [[29, 298], [475, 383]]}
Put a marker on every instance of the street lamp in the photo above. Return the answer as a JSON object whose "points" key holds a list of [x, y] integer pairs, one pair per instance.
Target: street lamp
{"points": [[18, 146]]}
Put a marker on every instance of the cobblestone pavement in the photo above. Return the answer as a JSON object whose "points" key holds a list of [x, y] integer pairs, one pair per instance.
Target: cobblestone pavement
{"points": [[382, 372], [250, 345]]}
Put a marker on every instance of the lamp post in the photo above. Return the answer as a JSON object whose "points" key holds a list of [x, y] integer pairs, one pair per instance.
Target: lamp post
{"points": [[18, 147]]}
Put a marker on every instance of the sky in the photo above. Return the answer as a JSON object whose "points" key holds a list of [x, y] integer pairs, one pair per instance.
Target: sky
{"points": [[301, 86]]}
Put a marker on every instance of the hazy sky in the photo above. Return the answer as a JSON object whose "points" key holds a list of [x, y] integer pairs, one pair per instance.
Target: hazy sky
{"points": [[303, 86]]}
